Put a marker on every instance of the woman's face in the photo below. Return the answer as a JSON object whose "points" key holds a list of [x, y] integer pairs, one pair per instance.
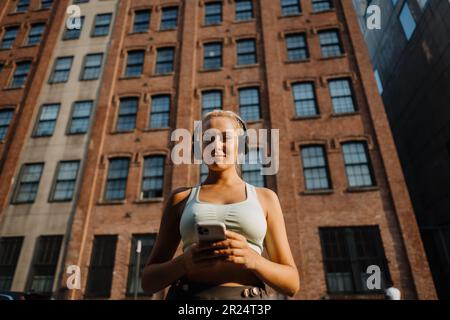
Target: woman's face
{"points": [[220, 143]]}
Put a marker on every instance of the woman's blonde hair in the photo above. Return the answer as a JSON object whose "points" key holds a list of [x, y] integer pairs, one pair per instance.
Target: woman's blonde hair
{"points": [[240, 124]]}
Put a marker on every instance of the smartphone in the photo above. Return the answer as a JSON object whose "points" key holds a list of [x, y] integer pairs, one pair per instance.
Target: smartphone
{"points": [[210, 231]]}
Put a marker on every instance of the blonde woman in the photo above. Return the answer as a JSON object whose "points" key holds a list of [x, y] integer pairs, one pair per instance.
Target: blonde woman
{"points": [[233, 268]]}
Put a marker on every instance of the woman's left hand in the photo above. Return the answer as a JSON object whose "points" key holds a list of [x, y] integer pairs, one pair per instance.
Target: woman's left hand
{"points": [[238, 251]]}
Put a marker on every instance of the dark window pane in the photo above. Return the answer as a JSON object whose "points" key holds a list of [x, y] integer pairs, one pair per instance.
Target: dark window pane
{"points": [[65, 180], [213, 13], [153, 177], [47, 120], [212, 56], [5, 120], [330, 43], [9, 255], [244, 10], [357, 164], [315, 168], [296, 47], [246, 52], [126, 120], [147, 243], [249, 104], [211, 100], [169, 18], [101, 24], [141, 20], [116, 183], [341, 96], [159, 116], [80, 117], [101, 267], [164, 60], [20, 74], [290, 7], [305, 99], [45, 260]]}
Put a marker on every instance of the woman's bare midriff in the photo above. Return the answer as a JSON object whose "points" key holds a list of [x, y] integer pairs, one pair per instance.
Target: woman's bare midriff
{"points": [[224, 273]]}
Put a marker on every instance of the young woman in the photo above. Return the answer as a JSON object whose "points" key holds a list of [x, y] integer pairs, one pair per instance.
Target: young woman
{"points": [[233, 268]]}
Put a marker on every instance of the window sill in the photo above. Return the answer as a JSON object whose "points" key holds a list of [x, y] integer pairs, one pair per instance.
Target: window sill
{"points": [[344, 55], [218, 24], [300, 118], [250, 122], [59, 201], [155, 129], [15, 203], [41, 136], [323, 11], [254, 65], [69, 134], [17, 13], [361, 189], [88, 80], [244, 21], [99, 36], [297, 61], [138, 33], [211, 70], [13, 88], [344, 114], [110, 202], [316, 192], [131, 77], [152, 200], [5, 49], [29, 46], [291, 16], [168, 29], [115, 132], [162, 74]]}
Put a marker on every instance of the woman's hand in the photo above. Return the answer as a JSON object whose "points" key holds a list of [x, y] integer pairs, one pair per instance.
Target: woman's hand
{"points": [[201, 255], [237, 250]]}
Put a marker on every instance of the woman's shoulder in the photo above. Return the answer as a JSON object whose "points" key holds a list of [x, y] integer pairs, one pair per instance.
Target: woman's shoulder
{"points": [[180, 194], [266, 193]]}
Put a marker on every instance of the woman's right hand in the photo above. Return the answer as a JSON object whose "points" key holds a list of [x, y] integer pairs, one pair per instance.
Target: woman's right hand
{"points": [[201, 256]]}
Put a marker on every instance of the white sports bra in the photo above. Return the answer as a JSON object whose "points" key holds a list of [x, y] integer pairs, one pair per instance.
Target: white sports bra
{"points": [[246, 217]]}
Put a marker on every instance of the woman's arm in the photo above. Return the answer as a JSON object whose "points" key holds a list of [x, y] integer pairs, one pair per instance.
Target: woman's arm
{"points": [[161, 270], [280, 272]]}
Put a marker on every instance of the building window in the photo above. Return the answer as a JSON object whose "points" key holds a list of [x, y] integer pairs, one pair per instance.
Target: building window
{"points": [[35, 35], [169, 18], [164, 60], [101, 267], [72, 34], [135, 63], [116, 184], [61, 70], [246, 52], [153, 177], [42, 273], [101, 24], [212, 56], [47, 120], [6, 116], [9, 255], [213, 13], [296, 47], [22, 5], [126, 120], [211, 100], [251, 169], [407, 21], [244, 10], [342, 96], [20, 74], [305, 99], [65, 180], [321, 5], [357, 164], [28, 185], [315, 168], [290, 7], [92, 66], [347, 252], [147, 243], [46, 4], [159, 115], [330, 43], [141, 20], [81, 115], [249, 104], [9, 36]]}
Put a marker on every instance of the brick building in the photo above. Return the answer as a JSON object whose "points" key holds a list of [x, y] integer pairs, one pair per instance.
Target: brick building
{"points": [[301, 67]]}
